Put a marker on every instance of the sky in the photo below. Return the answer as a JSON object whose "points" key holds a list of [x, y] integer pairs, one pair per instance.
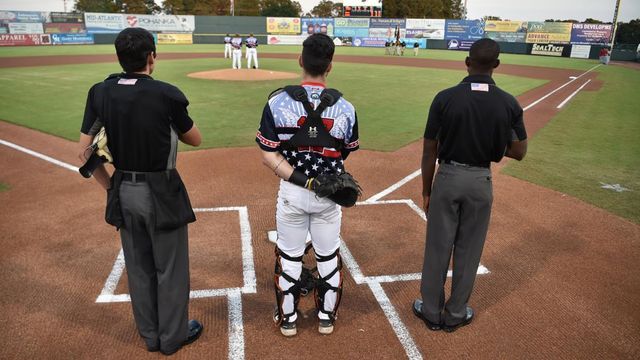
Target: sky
{"points": [[506, 9]]}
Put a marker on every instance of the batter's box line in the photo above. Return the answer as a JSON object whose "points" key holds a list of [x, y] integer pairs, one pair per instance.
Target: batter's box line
{"points": [[107, 295]]}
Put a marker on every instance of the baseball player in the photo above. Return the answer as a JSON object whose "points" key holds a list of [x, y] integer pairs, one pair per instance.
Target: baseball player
{"points": [[236, 44], [252, 51], [227, 46], [300, 152]]}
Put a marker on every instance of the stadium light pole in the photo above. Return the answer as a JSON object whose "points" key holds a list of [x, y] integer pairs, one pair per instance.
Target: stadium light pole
{"points": [[615, 23], [233, 8]]}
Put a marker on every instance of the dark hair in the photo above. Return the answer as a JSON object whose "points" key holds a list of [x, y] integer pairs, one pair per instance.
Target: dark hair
{"points": [[133, 46], [317, 54], [484, 54]]}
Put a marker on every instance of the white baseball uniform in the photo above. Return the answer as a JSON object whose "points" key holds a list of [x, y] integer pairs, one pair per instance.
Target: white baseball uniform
{"points": [[227, 47], [236, 43], [252, 51]]}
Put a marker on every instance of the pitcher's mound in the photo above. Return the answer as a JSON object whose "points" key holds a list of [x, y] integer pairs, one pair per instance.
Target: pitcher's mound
{"points": [[243, 75]]}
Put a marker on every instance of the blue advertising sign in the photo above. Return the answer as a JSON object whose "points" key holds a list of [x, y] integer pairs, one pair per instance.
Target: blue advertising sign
{"points": [[591, 33], [455, 44], [68, 39], [351, 32], [380, 42], [464, 29], [317, 25], [22, 17], [384, 23]]}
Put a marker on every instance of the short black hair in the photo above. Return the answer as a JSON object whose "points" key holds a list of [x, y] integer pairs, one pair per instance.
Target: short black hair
{"points": [[484, 54], [317, 54], [133, 46]]}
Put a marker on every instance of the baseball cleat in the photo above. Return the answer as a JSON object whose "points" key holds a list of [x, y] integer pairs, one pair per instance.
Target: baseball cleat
{"points": [[325, 327], [287, 328]]}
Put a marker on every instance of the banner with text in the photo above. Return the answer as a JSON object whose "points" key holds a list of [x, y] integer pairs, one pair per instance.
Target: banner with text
{"points": [[64, 28], [164, 23], [72, 39], [425, 28], [580, 51], [455, 44], [24, 40], [22, 16], [506, 31], [25, 28], [386, 28], [104, 22], [468, 30], [548, 32], [286, 39], [351, 27], [277, 25], [591, 33], [175, 39], [549, 49], [63, 17], [317, 25]]}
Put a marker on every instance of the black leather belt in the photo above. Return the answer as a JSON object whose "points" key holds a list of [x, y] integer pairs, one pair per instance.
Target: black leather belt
{"points": [[134, 177], [455, 163]]}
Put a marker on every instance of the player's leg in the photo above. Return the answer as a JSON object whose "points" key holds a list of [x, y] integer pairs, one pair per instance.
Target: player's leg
{"points": [[292, 224], [255, 58], [325, 235], [249, 59]]}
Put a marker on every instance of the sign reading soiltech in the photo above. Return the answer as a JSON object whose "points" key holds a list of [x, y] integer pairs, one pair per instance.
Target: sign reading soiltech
{"points": [[277, 25], [547, 49], [548, 32]]}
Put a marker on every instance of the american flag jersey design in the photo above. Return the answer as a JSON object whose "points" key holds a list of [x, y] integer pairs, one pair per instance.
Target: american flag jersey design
{"points": [[282, 117], [252, 42]]}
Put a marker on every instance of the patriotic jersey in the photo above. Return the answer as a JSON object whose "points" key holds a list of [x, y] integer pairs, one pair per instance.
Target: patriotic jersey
{"points": [[236, 42], [252, 42], [283, 116], [227, 39]]}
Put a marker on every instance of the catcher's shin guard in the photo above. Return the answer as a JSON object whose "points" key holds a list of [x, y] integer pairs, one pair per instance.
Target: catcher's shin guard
{"points": [[323, 285], [294, 290]]}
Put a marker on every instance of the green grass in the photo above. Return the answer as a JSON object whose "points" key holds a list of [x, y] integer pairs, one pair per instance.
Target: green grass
{"points": [[4, 187], [565, 63], [593, 140], [392, 101]]}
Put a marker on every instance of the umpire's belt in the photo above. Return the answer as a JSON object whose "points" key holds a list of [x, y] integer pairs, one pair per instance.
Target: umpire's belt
{"points": [[135, 177], [486, 165]]}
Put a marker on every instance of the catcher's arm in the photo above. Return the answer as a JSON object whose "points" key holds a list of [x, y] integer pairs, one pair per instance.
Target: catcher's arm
{"points": [[100, 173], [281, 167]]}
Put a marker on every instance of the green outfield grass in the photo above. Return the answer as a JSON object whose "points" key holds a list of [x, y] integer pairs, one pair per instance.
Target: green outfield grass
{"points": [[392, 102], [593, 140], [565, 63], [4, 187]]}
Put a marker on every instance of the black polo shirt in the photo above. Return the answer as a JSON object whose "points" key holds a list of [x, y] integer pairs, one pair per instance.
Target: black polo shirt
{"points": [[142, 118], [474, 121]]}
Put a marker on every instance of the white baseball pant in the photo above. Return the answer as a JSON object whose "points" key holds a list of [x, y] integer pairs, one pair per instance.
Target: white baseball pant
{"points": [[237, 59], [299, 212], [227, 51], [252, 53]]}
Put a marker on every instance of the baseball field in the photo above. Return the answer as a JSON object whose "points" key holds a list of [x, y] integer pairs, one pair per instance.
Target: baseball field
{"points": [[559, 275]]}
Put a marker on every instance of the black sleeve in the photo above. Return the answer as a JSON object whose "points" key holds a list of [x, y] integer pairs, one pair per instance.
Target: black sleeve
{"points": [[352, 142], [267, 138], [519, 133], [91, 118], [178, 109], [434, 122]]}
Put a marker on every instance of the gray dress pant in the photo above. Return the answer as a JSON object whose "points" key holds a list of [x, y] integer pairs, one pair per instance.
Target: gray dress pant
{"points": [[158, 270], [458, 220]]}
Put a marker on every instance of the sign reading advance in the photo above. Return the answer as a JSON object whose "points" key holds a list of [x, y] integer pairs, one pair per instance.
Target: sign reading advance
{"points": [[591, 33], [547, 49]]}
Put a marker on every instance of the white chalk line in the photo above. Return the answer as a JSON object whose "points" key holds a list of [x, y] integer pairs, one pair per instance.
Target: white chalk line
{"points": [[559, 88], [40, 156], [236, 326], [393, 187], [572, 94]]}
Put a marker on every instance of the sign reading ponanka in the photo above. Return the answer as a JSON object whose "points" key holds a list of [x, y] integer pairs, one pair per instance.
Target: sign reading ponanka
{"points": [[547, 49]]}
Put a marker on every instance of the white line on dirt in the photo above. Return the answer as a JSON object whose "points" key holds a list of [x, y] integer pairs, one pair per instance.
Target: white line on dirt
{"points": [[393, 187], [559, 88], [38, 155], [573, 94], [236, 326], [112, 281]]}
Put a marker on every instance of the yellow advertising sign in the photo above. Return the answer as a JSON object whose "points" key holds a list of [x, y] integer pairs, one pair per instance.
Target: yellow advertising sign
{"points": [[505, 26], [175, 39], [549, 32], [283, 25]]}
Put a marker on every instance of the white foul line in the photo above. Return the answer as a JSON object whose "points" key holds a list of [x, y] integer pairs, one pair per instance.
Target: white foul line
{"points": [[559, 88], [393, 187], [572, 95], [39, 156], [236, 327]]}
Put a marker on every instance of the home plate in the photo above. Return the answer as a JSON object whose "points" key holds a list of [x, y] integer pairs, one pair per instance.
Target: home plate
{"points": [[273, 236]]}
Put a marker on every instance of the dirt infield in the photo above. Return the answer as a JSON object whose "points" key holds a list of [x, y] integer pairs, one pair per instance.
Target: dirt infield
{"points": [[563, 281], [243, 75]]}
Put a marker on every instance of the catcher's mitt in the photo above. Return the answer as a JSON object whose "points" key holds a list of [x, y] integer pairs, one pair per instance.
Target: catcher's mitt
{"points": [[343, 189]]}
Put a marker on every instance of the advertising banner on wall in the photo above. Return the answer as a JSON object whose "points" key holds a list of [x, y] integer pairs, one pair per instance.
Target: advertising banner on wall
{"points": [[317, 25], [22, 16], [502, 36], [591, 33], [24, 40], [103, 22], [175, 39], [164, 23], [386, 28], [25, 28], [276, 25], [425, 28], [464, 29], [548, 32], [548, 49], [286, 39], [455, 44], [351, 27], [64, 28], [69, 39], [506, 31], [580, 51], [63, 17], [3, 30]]}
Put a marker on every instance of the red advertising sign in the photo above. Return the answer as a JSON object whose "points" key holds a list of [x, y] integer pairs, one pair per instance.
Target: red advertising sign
{"points": [[24, 40], [64, 28]]}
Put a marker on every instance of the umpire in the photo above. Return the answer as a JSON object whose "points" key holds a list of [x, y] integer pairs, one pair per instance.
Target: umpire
{"points": [[469, 126], [146, 199]]}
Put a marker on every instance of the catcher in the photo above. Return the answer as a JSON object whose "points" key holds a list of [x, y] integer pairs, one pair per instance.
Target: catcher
{"points": [[305, 134]]}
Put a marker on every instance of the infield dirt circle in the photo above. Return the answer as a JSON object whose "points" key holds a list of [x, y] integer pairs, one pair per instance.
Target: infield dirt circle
{"points": [[243, 75]]}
